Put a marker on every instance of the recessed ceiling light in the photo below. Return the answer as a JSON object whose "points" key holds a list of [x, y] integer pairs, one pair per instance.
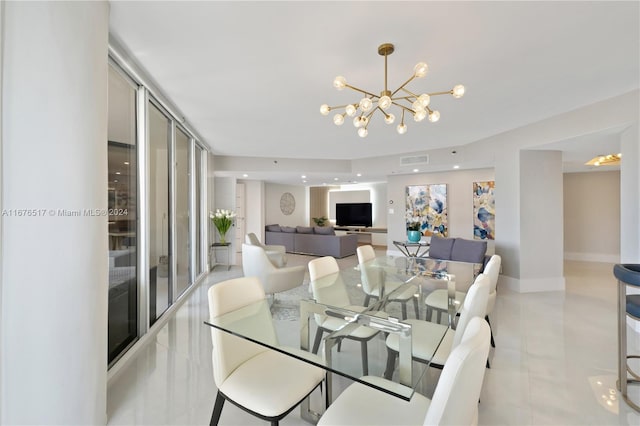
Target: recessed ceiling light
{"points": [[303, 176], [358, 174], [245, 175], [126, 163], [304, 181], [115, 180], [456, 166], [415, 170], [118, 173], [335, 178]]}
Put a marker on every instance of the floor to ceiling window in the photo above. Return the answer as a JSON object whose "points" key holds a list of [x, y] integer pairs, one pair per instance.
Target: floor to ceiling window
{"points": [[182, 185], [160, 256], [156, 197], [122, 215]]}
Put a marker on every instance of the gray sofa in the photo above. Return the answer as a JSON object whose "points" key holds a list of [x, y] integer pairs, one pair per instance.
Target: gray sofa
{"points": [[317, 241], [459, 250]]}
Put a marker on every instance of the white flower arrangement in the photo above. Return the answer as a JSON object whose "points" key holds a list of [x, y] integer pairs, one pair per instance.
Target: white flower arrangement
{"points": [[222, 219]]}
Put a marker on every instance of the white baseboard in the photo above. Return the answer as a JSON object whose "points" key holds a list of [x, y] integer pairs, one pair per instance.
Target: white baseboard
{"points": [[532, 285], [592, 257]]}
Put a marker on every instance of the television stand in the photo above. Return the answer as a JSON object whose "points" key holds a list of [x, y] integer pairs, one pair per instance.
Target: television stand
{"points": [[373, 236]]}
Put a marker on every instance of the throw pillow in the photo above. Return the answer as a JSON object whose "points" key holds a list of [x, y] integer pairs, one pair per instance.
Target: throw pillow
{"points": [[288, 229], [440, 248], [323, 230], [304, 230], [273, 228], [468, 250]]}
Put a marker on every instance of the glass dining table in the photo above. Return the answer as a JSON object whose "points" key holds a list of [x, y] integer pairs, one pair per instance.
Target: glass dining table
{"points": [[341, 299]]}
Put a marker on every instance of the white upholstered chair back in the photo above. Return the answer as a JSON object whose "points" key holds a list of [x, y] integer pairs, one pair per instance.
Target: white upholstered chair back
{"points": [[475, 305], [493, 271], [365, 253], [322, 267], [455, 399], [252, 239], [230, 351], [326, 284]]}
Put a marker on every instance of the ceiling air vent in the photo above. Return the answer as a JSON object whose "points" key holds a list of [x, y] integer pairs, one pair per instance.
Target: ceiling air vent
{"points": [[414, 160]]}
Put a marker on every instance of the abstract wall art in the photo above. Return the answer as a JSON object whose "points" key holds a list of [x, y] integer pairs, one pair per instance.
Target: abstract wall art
{"points": [[427, 206], [484, 210]]}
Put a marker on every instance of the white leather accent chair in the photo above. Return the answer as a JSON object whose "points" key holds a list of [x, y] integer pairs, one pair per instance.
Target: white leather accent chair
{"points": [[375, 282], [437, 300], [332, 291], [426, 335], [277, 254], [454, 402], [255, 263], [259, 380]]}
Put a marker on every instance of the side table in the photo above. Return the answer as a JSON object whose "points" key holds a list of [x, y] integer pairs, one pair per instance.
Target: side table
{"points": [[215, 247], [411, 249]]}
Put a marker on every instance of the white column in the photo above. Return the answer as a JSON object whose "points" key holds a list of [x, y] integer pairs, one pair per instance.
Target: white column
{"points": [[541, 221], [630, 195], [53, 329]]}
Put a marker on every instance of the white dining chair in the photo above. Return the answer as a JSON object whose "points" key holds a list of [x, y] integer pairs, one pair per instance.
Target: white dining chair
{"points": [[375, 282], [454, 402], [261, 381], [428, 345], [437, 302], [329, 289], [276, 253]]}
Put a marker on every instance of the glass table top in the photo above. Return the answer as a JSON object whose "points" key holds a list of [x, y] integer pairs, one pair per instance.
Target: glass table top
{"points": [[340, 298]]}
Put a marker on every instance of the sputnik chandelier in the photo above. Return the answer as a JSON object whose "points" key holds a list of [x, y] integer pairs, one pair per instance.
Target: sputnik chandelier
{"points": [[408, 102]]}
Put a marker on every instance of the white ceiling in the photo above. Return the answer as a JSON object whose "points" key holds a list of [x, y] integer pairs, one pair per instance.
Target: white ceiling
{"points": [[250, 76]]}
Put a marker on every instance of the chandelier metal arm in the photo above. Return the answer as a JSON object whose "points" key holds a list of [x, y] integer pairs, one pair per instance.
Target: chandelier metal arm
{"points": [[362, 91], [404, 84]]}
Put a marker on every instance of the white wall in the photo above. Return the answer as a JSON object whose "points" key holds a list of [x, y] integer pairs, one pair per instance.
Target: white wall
{"points": [[255, 202], [273, 214], [53, 328], [225, 199], [459, 201], [592, 216]]}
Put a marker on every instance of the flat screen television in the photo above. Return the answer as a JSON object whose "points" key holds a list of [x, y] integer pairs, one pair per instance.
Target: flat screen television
{"points": [[353, 214]]}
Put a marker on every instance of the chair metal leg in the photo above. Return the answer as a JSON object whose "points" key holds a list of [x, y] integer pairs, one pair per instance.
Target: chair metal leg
{"points": [[217, 410], [274, 423], [317, 340], [429, 314], [391, 363], [367, 298], [415, 306], [365, 358], [493, 342], [438, 315], [404, 310]]}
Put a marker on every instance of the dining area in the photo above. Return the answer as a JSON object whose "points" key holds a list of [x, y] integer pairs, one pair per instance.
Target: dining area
{"points": [[368, 334]]}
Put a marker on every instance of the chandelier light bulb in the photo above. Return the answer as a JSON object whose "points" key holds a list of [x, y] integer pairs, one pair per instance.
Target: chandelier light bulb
{"points": [[417, 106], [366, 104], [424, 99], [350, 110], [389, 118], [363, 132], [420, 70], [340, 82], [338, 119], [458, 91], [420, 115], [384, 102], [434, 116], [402, 128], [364, 121], [324, 109], [357, 122]]}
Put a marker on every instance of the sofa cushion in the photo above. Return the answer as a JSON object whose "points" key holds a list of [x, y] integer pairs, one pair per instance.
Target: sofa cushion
{"points": [[440, 248], [304, 230], [288, 229], [273, 228], [323, 230], [468, 250]]}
